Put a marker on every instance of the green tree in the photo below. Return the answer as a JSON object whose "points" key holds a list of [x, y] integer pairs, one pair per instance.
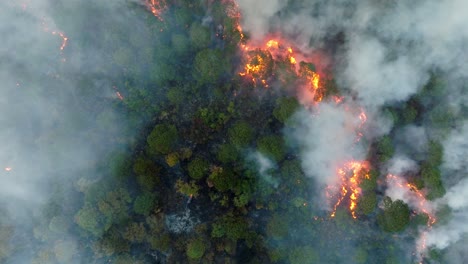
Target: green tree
{"points": [[187, 188], [367, 203], [285, 108], [162, 139], [240, 134], [144, 203], [277, 227], [272, 146], [199, 35], [180, 43], [303, 255], [395, 216], [223, 179], [384, 149], [209, 66], [114, 206], [135, 233], [147, 173], [89, 219], [196, 248], [227, 153], [198, 168], [65, 250]]}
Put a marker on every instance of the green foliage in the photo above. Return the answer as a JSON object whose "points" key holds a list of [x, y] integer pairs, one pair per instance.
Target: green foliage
{"points": [[147, 173], [240, 134], [198, 168], [135, 232], [187, 188], [199, 35], [369, 184], [172, 159], [59, 224], [395, 216], [435, 153], [272, 146], [144, 203], [176, 96], [431, 177], [162, 139], [88, 218], [6, 233], [227, 153], [230, 226], [114, 205], [303, 255], [195, 249], [209, 66], [384, 149], [64, 250], [285, 108], [409, 114], [180, 43], [367, 203], [223, 179], [277, 227]]}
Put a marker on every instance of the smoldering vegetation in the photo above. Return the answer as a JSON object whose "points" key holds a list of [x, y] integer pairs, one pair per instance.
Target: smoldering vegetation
{"points": [[129, 135]]}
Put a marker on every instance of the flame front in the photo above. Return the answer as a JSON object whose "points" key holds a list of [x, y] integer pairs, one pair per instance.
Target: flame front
{"points": [[156, 7], [351, 175], [419, 203]]}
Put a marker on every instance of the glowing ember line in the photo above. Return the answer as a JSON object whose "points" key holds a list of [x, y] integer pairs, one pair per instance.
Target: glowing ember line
{"points": [[64, 39], [351, 175], [416, 199], [156, 7]]}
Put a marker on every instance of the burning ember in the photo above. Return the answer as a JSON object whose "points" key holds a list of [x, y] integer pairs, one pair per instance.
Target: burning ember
{"points": [[351, 175], [417, 201], [64, 39], [156, 7]]}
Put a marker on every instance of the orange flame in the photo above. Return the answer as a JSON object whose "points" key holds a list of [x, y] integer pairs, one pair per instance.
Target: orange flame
{"points": [[64, 39], [422, 206], [156, 7], [351, 175]]}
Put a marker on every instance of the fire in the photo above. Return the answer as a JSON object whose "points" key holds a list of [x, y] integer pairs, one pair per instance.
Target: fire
{"points": [[260, 61], [351, 174], [419, 203], [156, 7], [8, 168], [416, 197], [64, 39], [117, 93], [62, 35]]}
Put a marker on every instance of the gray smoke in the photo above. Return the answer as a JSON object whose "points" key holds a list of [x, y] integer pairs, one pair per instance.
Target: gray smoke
{"points": [[53, 125], [389, 50]]}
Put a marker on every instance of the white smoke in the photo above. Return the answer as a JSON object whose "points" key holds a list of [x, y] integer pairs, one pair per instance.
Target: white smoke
{"points": [[389, 50]]}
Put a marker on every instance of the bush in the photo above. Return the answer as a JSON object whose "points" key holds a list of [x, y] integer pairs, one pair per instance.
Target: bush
{"points": [[198, 168], [195, 249], [285, 108], [144, 203], [162, 139], [272, 146], [240, 134], [395, 216]]}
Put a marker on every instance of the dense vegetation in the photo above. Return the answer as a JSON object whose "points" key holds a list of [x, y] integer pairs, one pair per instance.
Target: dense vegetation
{"points": [[189, 187]]}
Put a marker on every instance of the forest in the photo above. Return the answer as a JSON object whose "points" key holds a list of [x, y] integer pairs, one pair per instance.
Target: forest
{"points": [[176, 136]]}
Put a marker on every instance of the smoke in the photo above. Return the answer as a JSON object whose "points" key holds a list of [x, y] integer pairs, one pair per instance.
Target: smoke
{"points": [[384, 52], [256, 15], [265, 167], [456, 197], [53, 130], [327, 139]]}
